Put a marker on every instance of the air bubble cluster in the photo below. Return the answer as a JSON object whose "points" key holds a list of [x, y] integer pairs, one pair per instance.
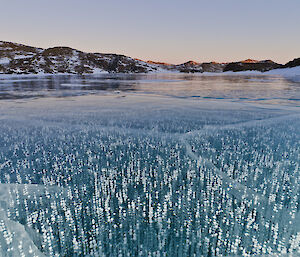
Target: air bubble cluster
{"points": [[116, 191]]}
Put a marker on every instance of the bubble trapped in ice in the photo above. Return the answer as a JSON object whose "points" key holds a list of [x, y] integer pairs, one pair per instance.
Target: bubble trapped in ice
{"points": [[178, 177]]}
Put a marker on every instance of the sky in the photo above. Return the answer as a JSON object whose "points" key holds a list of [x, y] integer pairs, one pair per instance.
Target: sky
{"points": [[173, 31]]}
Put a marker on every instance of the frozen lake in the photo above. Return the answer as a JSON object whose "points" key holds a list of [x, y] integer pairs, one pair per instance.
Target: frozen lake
{"points": [[262, 88], [149, 165]]}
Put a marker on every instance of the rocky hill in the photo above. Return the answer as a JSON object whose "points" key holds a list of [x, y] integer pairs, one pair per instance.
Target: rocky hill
{"points": [[22, 59], [190, 67], [293, 63], [254, 65]]}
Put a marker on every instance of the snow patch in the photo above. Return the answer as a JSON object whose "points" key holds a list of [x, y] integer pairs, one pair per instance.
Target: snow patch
{"points": [[4, 60], [289, 73]]}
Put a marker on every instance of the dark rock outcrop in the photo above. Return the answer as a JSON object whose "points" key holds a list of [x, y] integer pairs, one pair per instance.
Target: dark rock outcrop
{"points": [[252, 65], [212, 67], [189, 67], [192, 67], [293, 63]]}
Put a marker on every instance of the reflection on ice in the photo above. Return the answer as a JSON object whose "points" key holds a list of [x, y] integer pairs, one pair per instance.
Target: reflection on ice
{"points": [[264, 88], [148, 176]]}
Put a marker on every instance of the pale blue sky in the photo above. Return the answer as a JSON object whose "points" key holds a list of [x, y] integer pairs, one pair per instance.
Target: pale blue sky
{"points": [[160, 30]]}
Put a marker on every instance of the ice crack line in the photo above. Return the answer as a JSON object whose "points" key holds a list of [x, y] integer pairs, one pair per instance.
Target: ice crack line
{"points": [[239, 190], [231, 184]]}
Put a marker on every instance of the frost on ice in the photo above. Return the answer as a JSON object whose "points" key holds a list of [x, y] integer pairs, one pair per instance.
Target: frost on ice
{"points": [[220, 183]]}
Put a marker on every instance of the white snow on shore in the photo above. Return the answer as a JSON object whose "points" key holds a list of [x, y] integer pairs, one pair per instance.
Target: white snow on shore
{"points": [[4, 60], [290, 73], [285, 71]]}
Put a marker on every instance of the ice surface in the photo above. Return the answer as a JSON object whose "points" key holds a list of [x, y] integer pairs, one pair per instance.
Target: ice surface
{"points": [[140, 175], [241, 88]]}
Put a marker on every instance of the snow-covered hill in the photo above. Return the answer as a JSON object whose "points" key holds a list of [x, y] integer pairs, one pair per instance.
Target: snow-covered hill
{"points": [[21, 59]]}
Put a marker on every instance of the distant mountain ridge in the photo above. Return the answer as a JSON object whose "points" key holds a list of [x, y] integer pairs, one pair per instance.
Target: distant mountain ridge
{"points": [[22, 59]]}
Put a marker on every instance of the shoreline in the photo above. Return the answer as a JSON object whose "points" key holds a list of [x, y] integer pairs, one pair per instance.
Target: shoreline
{"points": [[295, 71]]}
